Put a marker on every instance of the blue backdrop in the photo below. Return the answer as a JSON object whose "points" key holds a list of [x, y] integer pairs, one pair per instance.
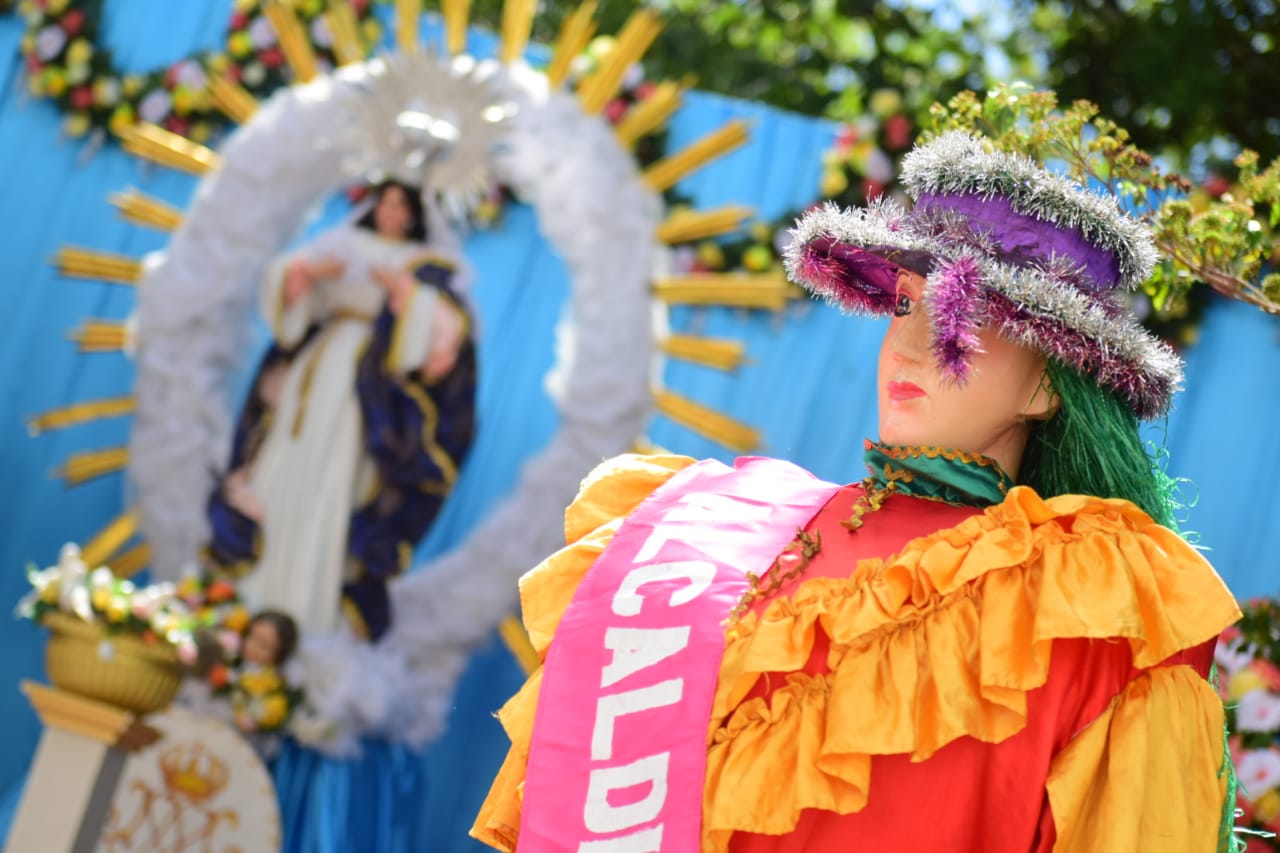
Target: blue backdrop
{"points": [[809, 387]]}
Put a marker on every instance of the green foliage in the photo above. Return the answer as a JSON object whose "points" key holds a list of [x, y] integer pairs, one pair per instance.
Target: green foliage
{"points": [[1177, 73], [826, 57], [1224, 241]]}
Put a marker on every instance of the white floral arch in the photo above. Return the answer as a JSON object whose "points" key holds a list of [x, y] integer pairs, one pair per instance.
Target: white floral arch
{"points": [[195, 302]]}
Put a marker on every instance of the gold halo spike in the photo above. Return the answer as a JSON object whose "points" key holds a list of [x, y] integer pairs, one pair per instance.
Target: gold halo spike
{"points": [[517, 642], [720, 353], [668, 171], [99, 550], [685, 226], [132, 561], [142, 209], [575, 33], [348, 48], [80, 413], [75, 262], [82, 467], [769, 290], [630, 47], [232, 99], [707, 422], [293, 41], [517, 23], [408, 13], [456, 15], [650, 114], [154, 143], [102, 336]]}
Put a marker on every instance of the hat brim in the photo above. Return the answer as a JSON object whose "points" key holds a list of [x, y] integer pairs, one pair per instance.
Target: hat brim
{"points": [[852, 259]]}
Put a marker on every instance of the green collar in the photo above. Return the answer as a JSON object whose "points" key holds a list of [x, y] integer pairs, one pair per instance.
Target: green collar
{"points": [[950, 476]]}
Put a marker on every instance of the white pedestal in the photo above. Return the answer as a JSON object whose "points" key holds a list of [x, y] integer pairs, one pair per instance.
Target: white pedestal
{"points": [[74, 774]]}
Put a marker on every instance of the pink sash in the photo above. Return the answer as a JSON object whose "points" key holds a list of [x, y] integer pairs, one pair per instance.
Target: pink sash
{"points": [[619, 747]]}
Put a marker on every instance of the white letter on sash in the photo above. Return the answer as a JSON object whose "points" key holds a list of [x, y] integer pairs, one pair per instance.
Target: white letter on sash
{"points": [[609, 708], [644, 841], [698, 573], [602, 818], [635, 649]]}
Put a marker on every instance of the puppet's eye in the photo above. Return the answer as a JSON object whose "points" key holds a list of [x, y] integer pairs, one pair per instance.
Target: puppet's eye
{"points": [[903, 306]]}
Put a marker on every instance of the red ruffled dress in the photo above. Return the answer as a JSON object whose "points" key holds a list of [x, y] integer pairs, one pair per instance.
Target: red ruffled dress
{"points": [[1028, 676]]}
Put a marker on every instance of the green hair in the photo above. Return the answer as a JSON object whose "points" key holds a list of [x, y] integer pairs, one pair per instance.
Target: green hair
{"points": [[1091, 446]]}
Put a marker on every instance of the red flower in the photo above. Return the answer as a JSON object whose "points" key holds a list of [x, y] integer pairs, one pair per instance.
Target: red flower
{"points": [[82, 97], [1216, 185], [846, 137], [73, 22], [272, 57], [239, 21], [872, 190], [614, 110], [361, 6], [219, 676], [897, 132], [219, 591], [645, 90], [171, 77], [179, 126], [233, 73], [34, 66]]}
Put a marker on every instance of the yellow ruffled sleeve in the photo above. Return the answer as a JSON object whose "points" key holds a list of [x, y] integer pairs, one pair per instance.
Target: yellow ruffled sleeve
{"points": [[1148, 773], [941, 641], [608, 494]]}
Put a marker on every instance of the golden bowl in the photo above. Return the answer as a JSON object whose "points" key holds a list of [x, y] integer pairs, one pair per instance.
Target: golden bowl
{"points": [[118, 669]]}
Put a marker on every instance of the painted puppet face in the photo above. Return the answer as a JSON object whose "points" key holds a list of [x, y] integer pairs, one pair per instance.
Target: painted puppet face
{"points": [[920, 405]]}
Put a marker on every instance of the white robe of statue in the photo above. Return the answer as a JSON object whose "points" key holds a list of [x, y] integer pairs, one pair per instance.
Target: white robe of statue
{"points": [[312, 470]]}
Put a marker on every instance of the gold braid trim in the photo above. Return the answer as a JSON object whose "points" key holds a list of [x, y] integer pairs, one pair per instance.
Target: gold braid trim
{"points": [[933, 452], [808, 546], [874, 496]]}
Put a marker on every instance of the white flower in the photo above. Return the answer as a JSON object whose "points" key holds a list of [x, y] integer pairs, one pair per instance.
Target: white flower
{"points": [[100, 578], [320, 32], [191, 75], [633, 76], [1258, 771], [1234, 657], [254, 73], [879, 166], [106, 651], [683, 258], [155, 106], [49, 42], [1258, 711], [261, 33]]}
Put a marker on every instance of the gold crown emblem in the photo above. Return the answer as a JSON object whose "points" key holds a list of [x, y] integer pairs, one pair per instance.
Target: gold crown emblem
{"points": [[193, 771]]}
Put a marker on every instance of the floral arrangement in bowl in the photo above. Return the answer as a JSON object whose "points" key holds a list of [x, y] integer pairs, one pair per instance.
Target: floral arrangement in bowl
{"points": [[111, 640], [154, 613], [1248, 662]]}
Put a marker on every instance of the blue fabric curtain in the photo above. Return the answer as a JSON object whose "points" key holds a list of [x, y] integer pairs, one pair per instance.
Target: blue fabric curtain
{"points": [[809, 387]]}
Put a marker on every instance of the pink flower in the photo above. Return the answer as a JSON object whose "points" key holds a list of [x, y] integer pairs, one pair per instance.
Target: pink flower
{"points": [[1259, 771], [1258, 711]]}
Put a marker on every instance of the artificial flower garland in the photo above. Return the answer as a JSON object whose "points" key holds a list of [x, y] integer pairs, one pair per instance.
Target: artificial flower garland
{"points": [[65, 62]]}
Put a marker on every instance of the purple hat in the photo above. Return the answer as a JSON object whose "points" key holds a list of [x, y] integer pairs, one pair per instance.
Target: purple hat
{"points": [[1002, 242]]}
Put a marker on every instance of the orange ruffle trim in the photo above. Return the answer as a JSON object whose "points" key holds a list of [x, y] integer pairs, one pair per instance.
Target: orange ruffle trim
{"points": [[941, 641]]}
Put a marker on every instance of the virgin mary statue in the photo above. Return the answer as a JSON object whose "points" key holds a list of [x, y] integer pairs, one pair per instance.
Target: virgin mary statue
{"points": [[356, 423]]}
